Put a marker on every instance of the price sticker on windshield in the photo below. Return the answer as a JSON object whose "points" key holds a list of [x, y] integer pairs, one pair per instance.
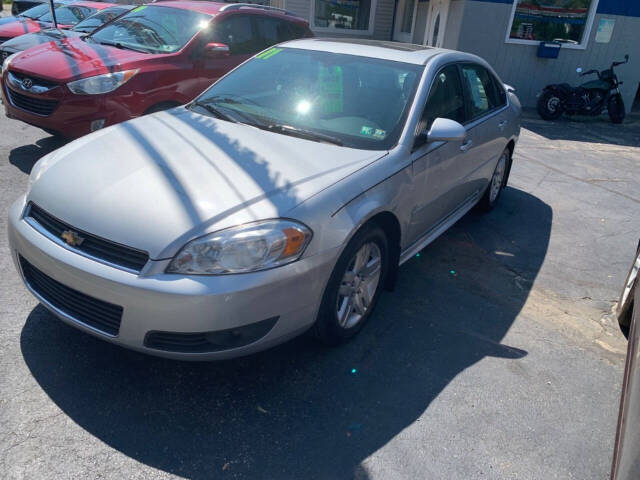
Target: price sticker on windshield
{"points": [[268, 53]]}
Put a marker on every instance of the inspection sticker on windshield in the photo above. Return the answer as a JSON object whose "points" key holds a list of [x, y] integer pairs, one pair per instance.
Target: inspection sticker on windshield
{"points": [[269, 53], [379, 133], [368, 131]]}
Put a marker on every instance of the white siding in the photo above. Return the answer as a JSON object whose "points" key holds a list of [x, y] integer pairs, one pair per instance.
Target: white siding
{"points": [[381, 21], [483, 29]]}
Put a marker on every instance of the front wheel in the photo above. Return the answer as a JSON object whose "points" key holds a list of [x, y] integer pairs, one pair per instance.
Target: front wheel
{"points": [[615, 107], [354, 287], [549, 105]]}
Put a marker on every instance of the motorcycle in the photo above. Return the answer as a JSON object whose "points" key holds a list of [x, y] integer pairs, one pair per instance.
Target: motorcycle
{"points": [[590, 98]]}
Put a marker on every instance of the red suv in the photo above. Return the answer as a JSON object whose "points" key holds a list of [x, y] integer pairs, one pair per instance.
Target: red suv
{"points": [[156, 57]]}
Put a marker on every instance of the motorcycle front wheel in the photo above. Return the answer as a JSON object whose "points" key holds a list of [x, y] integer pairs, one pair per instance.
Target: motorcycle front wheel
{"points": [[615, 107], [549, 105]]}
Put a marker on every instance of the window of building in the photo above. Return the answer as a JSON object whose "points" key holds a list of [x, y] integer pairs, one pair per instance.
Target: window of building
{"points": [[565, 21], [352, 16]]}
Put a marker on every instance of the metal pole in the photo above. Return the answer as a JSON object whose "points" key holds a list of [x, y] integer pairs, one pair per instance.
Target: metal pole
{"points": [[53, 14]]}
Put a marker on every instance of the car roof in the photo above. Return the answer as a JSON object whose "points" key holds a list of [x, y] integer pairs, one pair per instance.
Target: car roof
{"points": [[89, 4], [385, 50], [213, 8], [210, 8]]}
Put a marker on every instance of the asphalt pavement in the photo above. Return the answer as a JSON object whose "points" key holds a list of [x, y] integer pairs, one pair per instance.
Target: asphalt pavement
{"points": [[497, 356]]}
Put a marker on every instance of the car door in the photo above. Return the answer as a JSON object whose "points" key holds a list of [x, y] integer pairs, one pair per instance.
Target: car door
{"points": [[437, 165], [235, 31], [486, 121]]}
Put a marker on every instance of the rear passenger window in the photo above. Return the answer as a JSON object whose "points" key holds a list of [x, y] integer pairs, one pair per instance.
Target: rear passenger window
{"points": [[483, 94], [445, 98], [272, 31], [237, 32]]}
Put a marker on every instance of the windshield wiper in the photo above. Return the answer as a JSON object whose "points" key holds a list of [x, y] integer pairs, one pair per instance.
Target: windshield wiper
{"points": [[301, 133], [215, 111], [119, 45]]}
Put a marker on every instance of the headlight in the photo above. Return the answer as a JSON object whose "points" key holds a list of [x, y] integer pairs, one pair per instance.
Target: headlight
{"points": [[7, 61], [101, 83], [247, 248]]}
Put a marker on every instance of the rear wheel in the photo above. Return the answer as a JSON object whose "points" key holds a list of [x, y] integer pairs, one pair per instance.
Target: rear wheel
{"points": [[354, 287], [615, 107], [497, 183], [549, 105]]}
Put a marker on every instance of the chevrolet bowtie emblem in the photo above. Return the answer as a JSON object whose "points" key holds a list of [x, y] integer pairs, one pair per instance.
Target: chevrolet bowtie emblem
{"points": [[72, 238]]}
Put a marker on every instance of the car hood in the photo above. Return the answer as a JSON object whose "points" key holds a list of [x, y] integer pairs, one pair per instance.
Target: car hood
{"points": [[24, 42], [72, 58], [15, 27], [156, 182]]}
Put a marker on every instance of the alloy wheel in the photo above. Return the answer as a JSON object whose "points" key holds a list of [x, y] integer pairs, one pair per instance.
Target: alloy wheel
{"points": [[498, 178], [359, 284]]}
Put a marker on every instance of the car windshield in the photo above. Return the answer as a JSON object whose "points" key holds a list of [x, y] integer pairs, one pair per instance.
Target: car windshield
{"points": [[153, 29], [69, 15], [99, 19], [355, 101], [37, 12]]}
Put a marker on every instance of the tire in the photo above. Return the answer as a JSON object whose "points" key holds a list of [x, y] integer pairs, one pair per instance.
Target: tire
{"points": [[549, 105], [333, 326], [615, 107], [497, 183]]}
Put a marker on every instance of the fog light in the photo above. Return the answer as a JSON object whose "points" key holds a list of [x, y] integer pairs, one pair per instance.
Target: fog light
{"points": [[97, 124]]}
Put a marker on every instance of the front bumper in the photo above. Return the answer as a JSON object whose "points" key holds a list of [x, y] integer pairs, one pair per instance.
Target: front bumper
{"points": [[73, 114], [181, 304]]}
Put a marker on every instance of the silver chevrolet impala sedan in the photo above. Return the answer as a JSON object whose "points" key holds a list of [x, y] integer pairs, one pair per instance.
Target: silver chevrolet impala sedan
{"points": [[283, 199]]}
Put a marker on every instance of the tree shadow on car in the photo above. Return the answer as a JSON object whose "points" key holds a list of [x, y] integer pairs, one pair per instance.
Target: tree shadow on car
{"points": [[302, 410], [26, 156]]}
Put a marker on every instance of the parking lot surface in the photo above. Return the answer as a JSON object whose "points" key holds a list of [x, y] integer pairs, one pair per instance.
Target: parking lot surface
{"points": [[496, 357]]}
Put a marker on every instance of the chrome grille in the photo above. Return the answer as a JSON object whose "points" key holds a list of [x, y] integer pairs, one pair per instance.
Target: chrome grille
{"points": [[39, 106], [93, 246]]}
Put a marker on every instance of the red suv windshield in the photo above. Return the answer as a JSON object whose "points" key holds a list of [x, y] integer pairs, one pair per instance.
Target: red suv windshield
{"points": [[153, 29]]}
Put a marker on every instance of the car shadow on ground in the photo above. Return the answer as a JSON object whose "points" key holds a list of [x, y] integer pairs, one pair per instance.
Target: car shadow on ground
{"points": [[597, 129], [302, 410], [26, 156]]}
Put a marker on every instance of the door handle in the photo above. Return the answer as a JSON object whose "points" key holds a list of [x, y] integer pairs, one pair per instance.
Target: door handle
{"points": [[502, 123], [466, 145]]}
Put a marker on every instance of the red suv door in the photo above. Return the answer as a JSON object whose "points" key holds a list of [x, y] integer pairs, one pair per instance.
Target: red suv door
{"points": [[245, 34]]}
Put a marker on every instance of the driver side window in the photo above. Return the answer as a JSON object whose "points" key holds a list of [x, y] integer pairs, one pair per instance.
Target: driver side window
{"points": [[237, 32], [445, 98]]}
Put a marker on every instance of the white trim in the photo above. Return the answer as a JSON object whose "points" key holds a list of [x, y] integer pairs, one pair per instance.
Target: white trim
{"points": [[586, 34], [397, 35], [345, 31], [436, 6]]}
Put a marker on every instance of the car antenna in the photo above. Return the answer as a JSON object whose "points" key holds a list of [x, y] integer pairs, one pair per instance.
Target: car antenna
{"points": [[53, 14]]}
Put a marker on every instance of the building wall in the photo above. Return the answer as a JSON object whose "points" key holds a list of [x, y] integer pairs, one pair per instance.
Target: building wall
{"points": [[483, 27], [382, 21]]}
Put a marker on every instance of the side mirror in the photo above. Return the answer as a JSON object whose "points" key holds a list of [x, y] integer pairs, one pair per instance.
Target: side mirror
{"points": [[579, 70], [445, 130], [216, 50]]}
